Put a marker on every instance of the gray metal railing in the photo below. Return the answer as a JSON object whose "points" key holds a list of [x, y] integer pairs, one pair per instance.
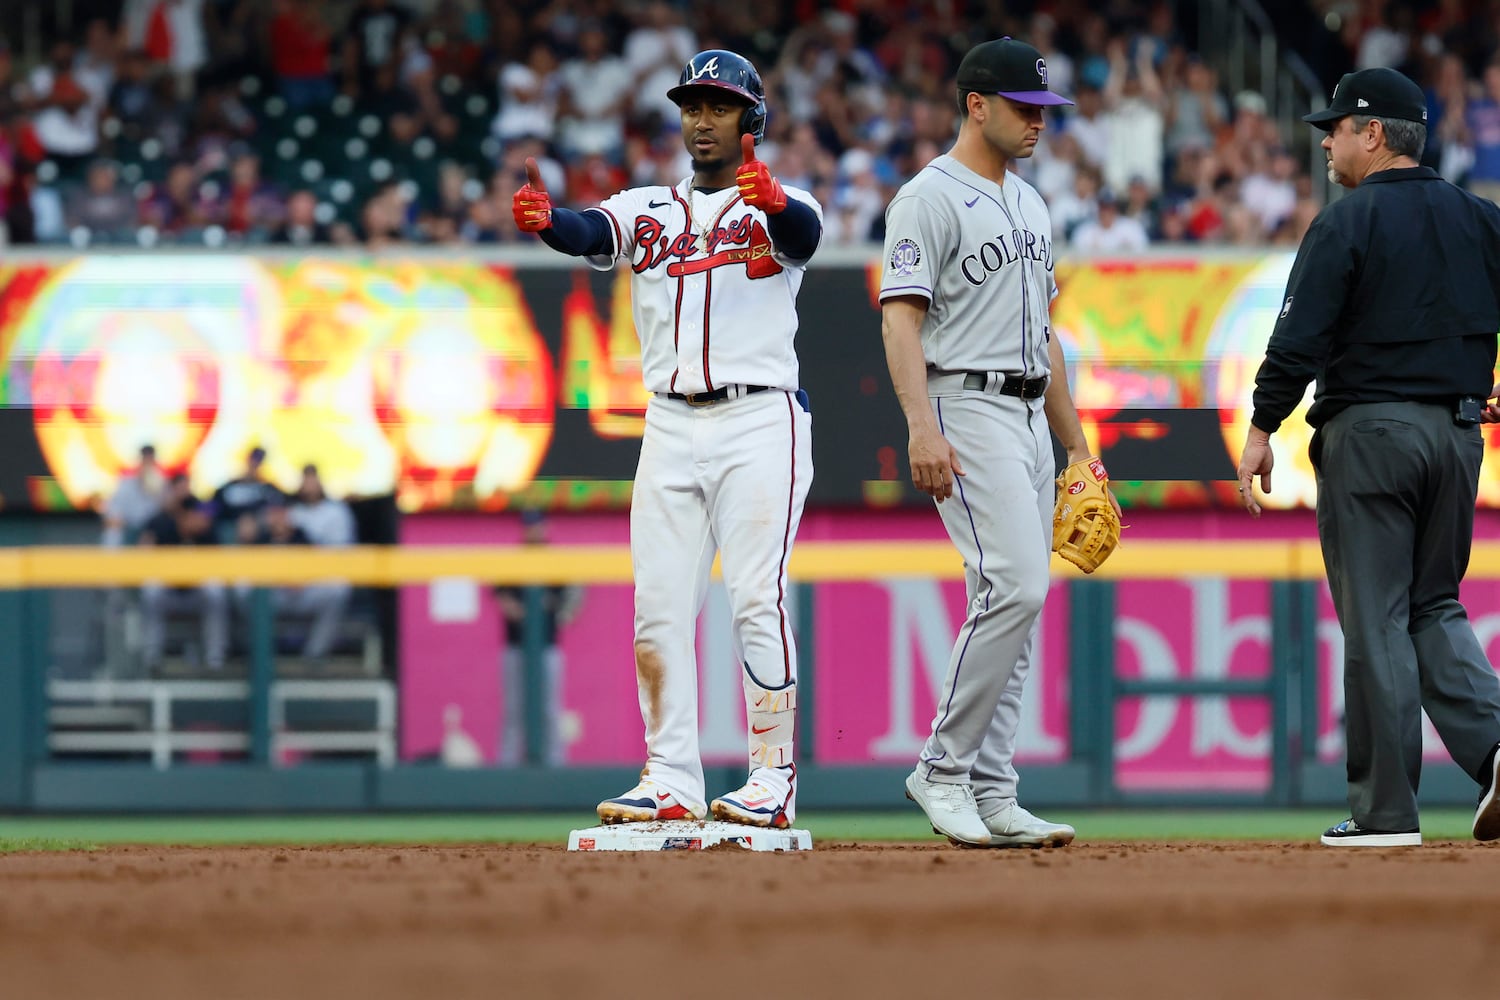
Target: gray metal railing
{"points": [[1238, 38]]}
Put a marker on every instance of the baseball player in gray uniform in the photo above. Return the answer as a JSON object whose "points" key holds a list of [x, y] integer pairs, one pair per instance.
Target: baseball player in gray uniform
{"points": [[965, 298]]}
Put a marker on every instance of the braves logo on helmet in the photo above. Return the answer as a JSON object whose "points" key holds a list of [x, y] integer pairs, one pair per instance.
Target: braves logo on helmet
{"points": [[723, 70], [709, 69]]}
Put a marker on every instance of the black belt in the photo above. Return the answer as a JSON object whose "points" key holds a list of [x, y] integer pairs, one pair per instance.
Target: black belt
{"points": [[1014, 385], [717, 396]]}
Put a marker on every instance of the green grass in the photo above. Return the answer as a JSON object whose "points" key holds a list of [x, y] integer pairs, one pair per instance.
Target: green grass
{"points": [[64, 833]]}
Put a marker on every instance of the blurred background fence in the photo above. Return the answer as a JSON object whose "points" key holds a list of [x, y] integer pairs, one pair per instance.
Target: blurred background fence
{"points": [[472, 426], [264, 317]]}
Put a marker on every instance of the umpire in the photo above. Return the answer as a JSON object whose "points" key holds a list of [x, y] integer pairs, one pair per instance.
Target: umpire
{"points": [[1393, 305]]}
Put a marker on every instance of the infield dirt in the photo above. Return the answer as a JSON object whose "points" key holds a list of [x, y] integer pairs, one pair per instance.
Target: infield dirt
{"points": [[1117, 921]]}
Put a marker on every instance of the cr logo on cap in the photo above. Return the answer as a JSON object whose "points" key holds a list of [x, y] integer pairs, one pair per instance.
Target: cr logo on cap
{"points": [[1041, 69]]}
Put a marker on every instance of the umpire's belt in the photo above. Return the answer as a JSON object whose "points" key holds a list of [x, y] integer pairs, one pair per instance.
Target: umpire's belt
{"points": [[1005, 384], [718, 395]]}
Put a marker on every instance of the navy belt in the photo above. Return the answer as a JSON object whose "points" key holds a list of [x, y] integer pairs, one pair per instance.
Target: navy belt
{"points": [[1014, 385], [717, 396]]}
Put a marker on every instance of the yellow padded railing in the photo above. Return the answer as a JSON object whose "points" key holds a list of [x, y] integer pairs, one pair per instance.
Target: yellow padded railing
{"points": [[369, 565]]}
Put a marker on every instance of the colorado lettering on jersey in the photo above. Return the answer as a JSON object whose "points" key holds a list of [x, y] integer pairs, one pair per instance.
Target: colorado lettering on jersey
{"points": [[742, 241], [1004, 249]]}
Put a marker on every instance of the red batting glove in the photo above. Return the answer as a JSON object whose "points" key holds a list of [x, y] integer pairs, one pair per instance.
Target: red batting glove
{"points": [[532, 209], [757, 186], [531, 206]]}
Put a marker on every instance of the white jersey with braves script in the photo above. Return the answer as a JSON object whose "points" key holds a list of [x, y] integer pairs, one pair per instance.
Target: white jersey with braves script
{"points": [[714, 304], [981, 254]]}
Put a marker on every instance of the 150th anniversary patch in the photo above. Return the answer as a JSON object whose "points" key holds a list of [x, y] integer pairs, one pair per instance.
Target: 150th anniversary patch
{"points": [[906, 257]]}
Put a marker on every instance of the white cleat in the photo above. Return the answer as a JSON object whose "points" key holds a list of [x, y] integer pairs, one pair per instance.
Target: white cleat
{"points": [[1013, 826], [950, 808]]}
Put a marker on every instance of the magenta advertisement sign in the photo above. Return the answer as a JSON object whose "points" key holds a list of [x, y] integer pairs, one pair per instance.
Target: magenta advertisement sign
{"points": [[878, 654]]}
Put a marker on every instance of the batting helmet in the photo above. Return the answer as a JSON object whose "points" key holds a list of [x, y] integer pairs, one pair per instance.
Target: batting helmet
{"points": [[723, 70]]}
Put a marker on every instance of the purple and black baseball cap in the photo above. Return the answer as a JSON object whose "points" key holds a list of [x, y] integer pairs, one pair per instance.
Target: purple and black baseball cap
{"points": [[1009, 68]]}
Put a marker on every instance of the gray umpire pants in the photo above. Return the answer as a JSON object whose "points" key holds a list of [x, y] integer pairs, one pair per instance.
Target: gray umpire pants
{"points": [[1396, 489]]}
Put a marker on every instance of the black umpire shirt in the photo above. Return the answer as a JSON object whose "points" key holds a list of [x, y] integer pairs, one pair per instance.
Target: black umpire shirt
{"points": [[1393, 297]]}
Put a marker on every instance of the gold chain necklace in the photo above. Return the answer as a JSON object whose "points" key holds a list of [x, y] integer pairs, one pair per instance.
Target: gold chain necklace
{"points": [[704, 232]]}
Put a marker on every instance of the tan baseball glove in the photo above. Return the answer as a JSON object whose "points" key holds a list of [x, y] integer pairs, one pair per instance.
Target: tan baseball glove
{"points": [[1085, 527]]}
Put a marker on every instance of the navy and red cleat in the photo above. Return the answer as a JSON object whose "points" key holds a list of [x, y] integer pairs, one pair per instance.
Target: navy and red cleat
{"points": [[645, 803], [767, 799]]}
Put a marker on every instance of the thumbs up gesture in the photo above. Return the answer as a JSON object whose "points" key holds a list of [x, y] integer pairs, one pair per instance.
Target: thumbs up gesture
{"points": [[757, 186], [531, 206]]}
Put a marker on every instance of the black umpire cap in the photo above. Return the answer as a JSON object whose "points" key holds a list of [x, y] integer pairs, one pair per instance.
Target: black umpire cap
{"points": [[1010, 68], [1379, 93]]}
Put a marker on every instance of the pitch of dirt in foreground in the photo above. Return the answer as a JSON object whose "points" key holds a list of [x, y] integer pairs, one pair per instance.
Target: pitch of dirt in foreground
{"points": [[1115, 921]]}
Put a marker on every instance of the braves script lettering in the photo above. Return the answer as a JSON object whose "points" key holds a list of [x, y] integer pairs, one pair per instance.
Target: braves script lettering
{"points": [[726, 245]]}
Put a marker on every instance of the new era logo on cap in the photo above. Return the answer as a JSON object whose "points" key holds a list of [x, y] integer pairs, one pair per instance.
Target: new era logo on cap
{"points": [[1363, 103]]}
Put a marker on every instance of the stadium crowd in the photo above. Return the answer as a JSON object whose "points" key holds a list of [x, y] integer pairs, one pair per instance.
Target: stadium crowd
{"points": [[405, 122]]}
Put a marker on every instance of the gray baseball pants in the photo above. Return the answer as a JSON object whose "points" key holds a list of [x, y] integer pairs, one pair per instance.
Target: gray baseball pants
{"points": [[1396, 489], [1000, 520]]}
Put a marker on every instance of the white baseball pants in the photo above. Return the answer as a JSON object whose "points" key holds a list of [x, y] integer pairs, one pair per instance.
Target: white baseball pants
{"points": [[729, 478]]}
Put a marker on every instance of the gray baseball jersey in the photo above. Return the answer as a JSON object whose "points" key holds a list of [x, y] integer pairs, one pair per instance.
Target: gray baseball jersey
{"points": [[982, 255]]}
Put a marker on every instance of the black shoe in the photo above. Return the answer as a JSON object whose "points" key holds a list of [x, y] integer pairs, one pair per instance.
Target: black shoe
{"points": [[1487, 815], [1351, 834]]}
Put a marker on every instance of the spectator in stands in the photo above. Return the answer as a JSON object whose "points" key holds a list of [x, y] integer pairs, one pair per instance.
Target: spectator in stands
{"points": [[384, 96], [441, 219], [449, 46], [655, 51], [251, 206], [300, 226], [1141, 204], [132, 96], [175, 37], [1088, 125], [103, 207], [382, 219], [1043, 37], [300, 39], [10, 104], [1386, 40], [1294, 227], [1449, 147], [1210, 208], [177, 207], [234, 31], [314, 518], [596, 89], [1112, 233], [528, 96], [1483, 120], [1270, 191], [1080, 205], [559, 605], [483, 223], [372, 42], [1194, 110], [137, 499], [248, 493], [94, 68], [64, 116], [1133, 117], [324, 520], [183, 520], [594, 177]]}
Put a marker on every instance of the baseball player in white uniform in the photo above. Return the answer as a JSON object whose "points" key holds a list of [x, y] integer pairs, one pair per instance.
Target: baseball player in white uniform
{"points": [[726, 459], [965, 297]]}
